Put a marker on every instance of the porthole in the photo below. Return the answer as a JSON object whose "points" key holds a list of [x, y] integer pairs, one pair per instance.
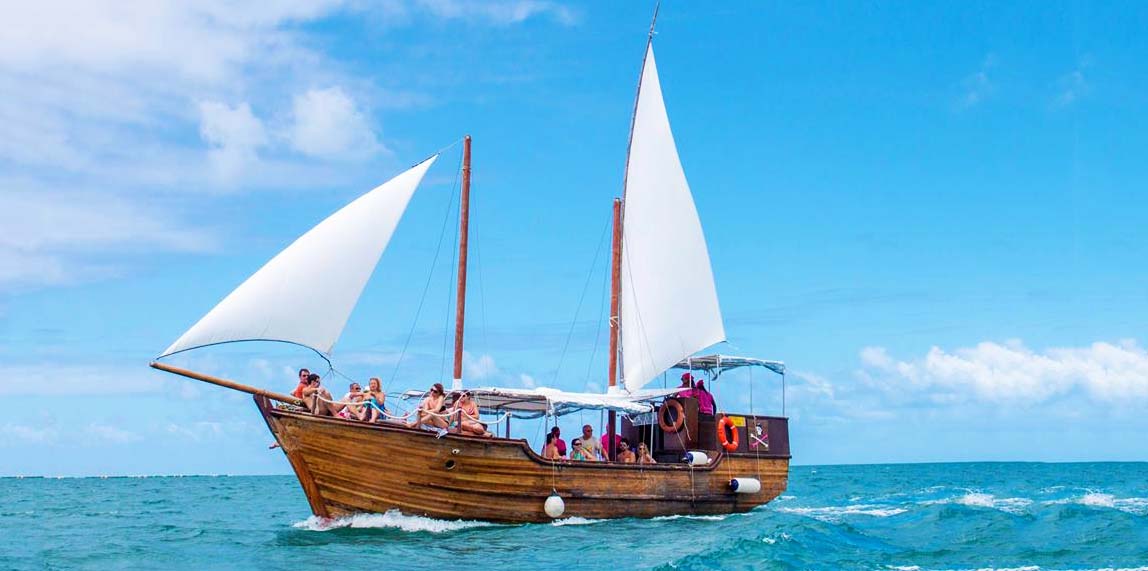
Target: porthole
{"points": [[450, 464]]}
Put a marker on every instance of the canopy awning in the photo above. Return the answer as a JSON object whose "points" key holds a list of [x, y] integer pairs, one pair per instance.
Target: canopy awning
{"points": [[543, 401], [718, 364]]}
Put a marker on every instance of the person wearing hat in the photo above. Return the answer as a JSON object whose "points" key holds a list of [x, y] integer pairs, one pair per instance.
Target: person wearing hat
{"points": [[687, 389]]}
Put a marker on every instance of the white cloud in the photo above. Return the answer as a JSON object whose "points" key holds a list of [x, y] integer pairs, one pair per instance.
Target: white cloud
{"points": [[75, 380], [1012, 372], [527, 381], [978, 86], [478, 368], [327, 123], [235, 136], [27, 434], [499, 12], [50, 235], [109, 433], [1070, 88]]}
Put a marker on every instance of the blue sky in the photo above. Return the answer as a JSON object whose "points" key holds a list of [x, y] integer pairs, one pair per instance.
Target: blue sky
{"points": [[932, 213]]}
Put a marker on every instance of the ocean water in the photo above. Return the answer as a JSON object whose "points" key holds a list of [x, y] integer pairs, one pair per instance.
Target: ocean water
{"points": [[921, 517]]}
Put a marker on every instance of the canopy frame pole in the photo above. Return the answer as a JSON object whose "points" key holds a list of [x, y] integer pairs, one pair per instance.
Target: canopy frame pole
{"points": [[463, 232], [615, 318]]}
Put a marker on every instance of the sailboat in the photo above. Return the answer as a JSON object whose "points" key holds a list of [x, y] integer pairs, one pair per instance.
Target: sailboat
{"points": [[660, 317]]}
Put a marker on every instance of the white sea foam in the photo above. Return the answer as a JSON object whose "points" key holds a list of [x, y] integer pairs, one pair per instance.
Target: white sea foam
{"points": [[770, 540], [1135, 506], [575, 520], [697, 517], [833, 514], [982, 500], [392, 519]]}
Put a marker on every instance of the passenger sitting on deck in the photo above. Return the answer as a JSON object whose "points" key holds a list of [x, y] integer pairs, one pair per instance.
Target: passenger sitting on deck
{"points": [[605, 442], [706, 404], [550, 450], [576, 452], [353, 411], [431, 408], [624, 453], [376, 401], [590, 446], [561, 443], [644, 454], [468, 421], [317, 399], [303, 382]]}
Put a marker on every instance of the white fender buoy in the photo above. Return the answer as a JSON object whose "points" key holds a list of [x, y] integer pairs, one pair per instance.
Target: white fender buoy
{"points": [[745, 485], [554, 506], [695, 458]]}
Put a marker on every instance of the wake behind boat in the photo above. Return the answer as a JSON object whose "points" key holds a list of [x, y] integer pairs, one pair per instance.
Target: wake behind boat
{"points": [[695, 459]]}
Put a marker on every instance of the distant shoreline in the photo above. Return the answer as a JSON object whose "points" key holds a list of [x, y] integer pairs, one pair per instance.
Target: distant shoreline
{"points": [[802, 466]]}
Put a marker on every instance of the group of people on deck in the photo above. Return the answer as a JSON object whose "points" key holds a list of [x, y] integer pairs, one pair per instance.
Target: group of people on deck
{"points": [[586, 448], [366, 405], [460, 416]]}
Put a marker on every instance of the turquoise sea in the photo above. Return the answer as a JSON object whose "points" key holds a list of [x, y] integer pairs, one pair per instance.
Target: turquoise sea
{"points": [[888, 517]]}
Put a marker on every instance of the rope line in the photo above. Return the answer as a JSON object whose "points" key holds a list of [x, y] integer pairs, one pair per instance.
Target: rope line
{"points": [[430, 274]]}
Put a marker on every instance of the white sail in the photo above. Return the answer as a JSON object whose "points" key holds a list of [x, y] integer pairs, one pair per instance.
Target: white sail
{"points": [[669, 302], [305, 294]]}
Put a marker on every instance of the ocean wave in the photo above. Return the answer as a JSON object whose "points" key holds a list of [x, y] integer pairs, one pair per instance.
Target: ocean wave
{"points": [[1135, 506], [1014, 506], [697, 517], [390, 520], [575, 520], [834, 514], [1021, 568]]}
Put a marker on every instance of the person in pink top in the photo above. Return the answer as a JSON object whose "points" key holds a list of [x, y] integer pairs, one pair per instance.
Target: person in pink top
{"points": [[706, 404], [605, 440]]}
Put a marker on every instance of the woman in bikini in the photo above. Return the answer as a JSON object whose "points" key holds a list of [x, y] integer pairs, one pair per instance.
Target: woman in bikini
{"points": [[431, 408], [466, 411]]}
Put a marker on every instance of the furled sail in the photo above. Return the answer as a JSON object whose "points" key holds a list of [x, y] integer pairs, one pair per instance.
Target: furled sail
{"points": [[669, 302], [305, 294]]}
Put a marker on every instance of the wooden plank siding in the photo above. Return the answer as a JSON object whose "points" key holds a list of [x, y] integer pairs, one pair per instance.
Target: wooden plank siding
{"points": [[350, 467]]}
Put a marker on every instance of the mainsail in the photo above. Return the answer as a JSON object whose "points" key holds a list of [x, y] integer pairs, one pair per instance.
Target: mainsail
{"points": [[669, 302], [305, 294]]}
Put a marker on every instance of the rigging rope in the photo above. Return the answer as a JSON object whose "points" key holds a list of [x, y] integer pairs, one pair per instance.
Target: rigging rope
{"points": [[581, 298], [430, 274]]}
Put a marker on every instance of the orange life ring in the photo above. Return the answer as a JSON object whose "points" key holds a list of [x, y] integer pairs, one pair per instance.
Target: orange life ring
{"points": [[730, 444], [678, 421]]}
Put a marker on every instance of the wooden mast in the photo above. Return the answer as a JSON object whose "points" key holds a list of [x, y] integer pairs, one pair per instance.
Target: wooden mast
{"points": [[615, 319], [463, 228], [616, 260]]}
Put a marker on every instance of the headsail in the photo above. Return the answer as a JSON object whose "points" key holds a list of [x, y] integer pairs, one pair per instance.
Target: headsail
{"points": [[669, 302], [305, 294]]}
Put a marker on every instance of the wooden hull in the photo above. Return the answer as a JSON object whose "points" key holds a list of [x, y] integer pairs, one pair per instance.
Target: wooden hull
{"points": [[352, 467]]}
